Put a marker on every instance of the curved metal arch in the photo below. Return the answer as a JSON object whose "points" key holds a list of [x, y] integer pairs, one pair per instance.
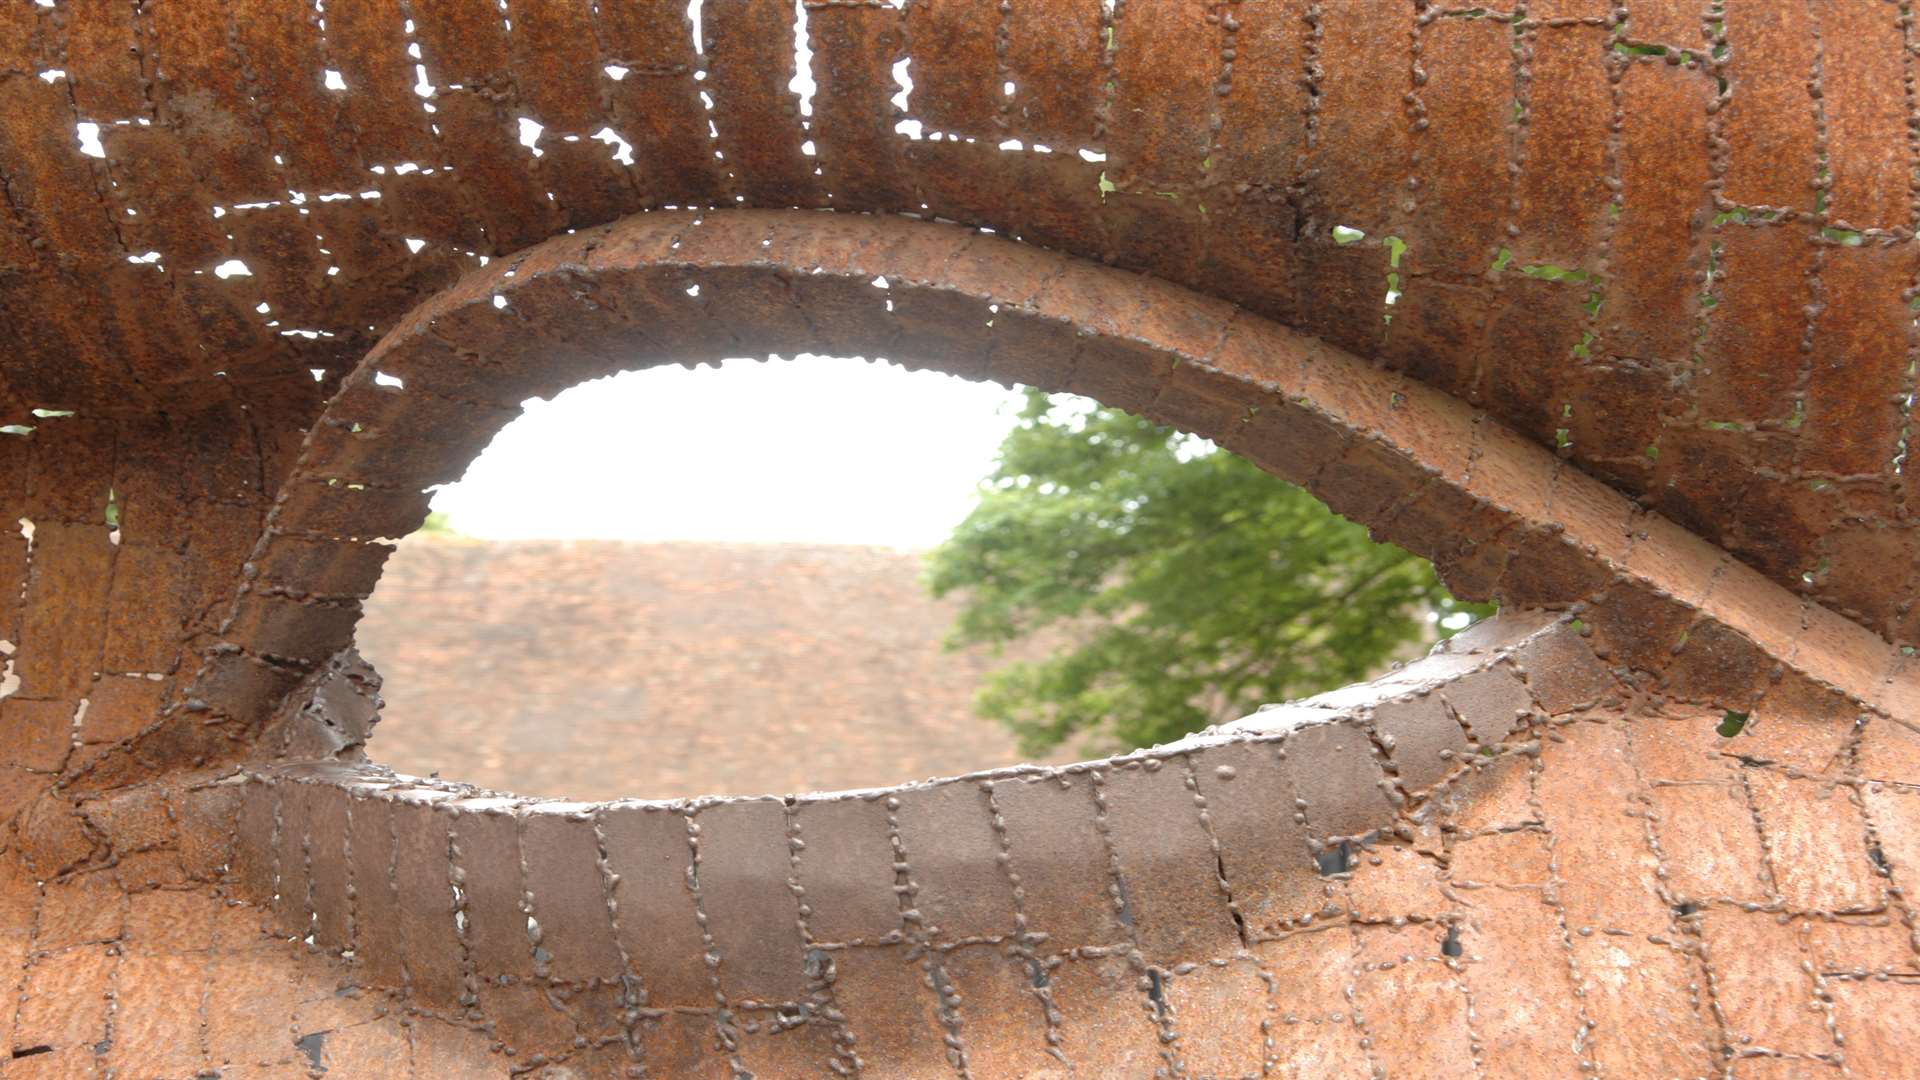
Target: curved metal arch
{"points": [[1499, 517], [1190, 842]]}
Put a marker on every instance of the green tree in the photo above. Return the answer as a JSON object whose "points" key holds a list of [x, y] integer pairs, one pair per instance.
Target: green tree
{"points": [[438, 524], [1184, 585]]}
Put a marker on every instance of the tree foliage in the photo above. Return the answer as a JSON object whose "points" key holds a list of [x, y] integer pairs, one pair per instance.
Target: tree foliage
{"points": [[438, 524], [1185, 586]]}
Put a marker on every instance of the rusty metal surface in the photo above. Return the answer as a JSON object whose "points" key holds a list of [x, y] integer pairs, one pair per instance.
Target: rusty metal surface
{"points": [[1501, 518], [1601, 306], [991, 894], [1500, 861], [1629, 159], [504, 913]]}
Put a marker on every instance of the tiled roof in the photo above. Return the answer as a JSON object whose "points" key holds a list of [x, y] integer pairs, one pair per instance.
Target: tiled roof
{"points": [[604, 669]]}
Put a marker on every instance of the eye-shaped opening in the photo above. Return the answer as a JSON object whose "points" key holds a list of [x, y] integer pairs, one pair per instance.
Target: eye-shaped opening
{"points": [[659, 288], [1497, 516], [790, 576], [1183, 856]]}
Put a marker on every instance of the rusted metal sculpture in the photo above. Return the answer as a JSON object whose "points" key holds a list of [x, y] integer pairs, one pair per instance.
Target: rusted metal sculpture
{"points": [[1603, 307]]}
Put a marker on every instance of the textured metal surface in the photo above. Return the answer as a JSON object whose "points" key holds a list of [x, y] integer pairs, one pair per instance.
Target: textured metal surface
{"points": [[1499, 861], [1719, 200], [497, 904], [1500, 518], [1601, 306], [1190, 863]]}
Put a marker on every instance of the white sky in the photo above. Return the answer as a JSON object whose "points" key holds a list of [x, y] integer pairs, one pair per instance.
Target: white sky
{"points": [[814, 450]]}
